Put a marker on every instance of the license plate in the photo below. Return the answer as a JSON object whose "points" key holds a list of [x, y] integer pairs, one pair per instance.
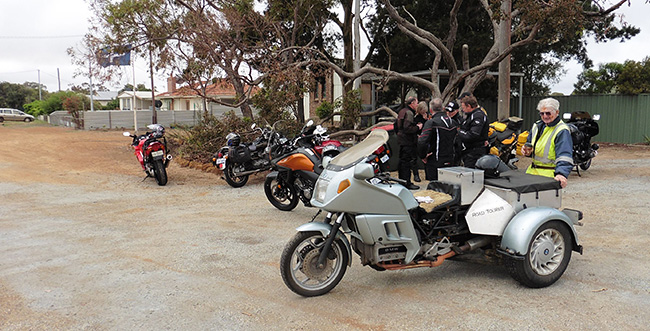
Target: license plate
{"points": [[221, 163], [329, 148], [384, 159], [157, 153]]}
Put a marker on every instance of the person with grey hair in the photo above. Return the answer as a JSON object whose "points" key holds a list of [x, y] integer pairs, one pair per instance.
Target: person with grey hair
{"points": [[435, 105], [549, 144], [407, 137]]}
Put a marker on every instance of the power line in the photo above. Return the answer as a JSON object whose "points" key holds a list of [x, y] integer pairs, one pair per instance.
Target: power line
{"points": [[41, 37]]}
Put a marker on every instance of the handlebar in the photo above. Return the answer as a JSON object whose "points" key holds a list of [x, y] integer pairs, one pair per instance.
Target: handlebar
{"points": [[386, 178]]}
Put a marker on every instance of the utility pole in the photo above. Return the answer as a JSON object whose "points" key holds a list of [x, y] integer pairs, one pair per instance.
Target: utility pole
{"points": [[40, 96], [58, 78], [357, 42], [504, 66], [135, 113], [154, 115], [90, 76]]}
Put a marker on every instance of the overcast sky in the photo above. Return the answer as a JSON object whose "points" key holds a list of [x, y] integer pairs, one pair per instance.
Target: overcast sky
{"points": [[35, 34]]}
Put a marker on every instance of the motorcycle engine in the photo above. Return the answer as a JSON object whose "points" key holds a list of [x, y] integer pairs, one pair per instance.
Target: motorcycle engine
{"points": [[305, 186], [259, 163]]}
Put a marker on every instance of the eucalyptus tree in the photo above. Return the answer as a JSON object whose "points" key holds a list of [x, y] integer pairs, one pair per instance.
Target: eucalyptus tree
{"points": [[437, 29]]}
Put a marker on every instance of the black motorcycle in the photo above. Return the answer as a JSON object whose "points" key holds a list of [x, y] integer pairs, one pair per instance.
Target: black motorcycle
{"points": [[239, 160], [583, 127]]}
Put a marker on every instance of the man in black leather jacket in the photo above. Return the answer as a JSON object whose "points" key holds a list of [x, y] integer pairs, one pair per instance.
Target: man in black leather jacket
{"points": [[436, 144], [407, 137], [473, 133]]}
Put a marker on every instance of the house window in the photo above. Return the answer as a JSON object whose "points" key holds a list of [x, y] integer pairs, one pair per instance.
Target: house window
{"points": [[320, 92]]}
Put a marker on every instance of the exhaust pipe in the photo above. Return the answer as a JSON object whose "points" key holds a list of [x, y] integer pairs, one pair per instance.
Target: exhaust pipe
{"points": [[169, 157], [470, 245], [475, 243]]}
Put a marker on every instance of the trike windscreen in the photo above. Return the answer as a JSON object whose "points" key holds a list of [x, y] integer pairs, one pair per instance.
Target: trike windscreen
{"points": [[363, 149]]}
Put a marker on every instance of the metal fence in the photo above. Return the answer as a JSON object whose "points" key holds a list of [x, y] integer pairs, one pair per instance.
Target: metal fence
{"points": [[624, 119], [123, 119]]}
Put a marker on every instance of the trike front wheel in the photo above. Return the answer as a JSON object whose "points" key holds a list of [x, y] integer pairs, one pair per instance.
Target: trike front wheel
{"points": [[300, 269]]}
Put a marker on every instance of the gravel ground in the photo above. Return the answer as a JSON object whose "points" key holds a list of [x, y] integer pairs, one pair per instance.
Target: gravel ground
{"points": [[85, 243]]}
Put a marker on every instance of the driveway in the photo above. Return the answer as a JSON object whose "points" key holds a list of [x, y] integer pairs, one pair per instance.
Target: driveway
{"points": [[85, 243]]}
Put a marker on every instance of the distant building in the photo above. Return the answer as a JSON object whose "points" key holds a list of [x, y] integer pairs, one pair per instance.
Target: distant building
{"points": [[187, 98], [104, 97], [142, 100]]}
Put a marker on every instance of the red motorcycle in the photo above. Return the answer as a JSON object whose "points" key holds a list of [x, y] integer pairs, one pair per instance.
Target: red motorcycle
{"points": [[152, 152]]}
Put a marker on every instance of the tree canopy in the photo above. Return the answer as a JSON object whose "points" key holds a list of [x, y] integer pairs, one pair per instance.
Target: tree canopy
{"points": [[249, 44], [629, 78], [17, 95]]}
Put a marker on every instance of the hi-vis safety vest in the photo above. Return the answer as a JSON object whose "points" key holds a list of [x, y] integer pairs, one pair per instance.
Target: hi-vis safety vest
{"points": [[544, 154]]}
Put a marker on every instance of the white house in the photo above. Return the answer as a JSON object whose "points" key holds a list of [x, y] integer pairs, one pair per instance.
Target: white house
{"points": [[142, 100]]}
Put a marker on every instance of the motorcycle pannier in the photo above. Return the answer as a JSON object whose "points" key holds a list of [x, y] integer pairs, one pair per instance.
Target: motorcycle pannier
{"points": [[240, 154], [470, 181], [524, 190]]}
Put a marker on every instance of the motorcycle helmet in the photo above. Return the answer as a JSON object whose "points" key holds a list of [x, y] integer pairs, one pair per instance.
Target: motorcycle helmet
{"points": [[233, 139], [491, 165], [157, 130], [451, 106]]}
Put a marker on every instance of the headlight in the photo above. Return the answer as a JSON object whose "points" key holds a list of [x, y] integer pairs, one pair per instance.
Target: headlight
{"points": [[321, 189]]}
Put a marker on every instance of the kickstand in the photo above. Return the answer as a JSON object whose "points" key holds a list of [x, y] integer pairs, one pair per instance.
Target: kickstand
{"points": [[578, 170], [313, 218], [145, 177]]}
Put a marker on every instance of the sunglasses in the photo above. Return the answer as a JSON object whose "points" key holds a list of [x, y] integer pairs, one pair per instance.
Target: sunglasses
{"points": [[545, 113]]}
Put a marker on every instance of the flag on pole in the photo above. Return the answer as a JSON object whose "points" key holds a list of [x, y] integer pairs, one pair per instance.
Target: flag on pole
{"points": [[108, 57]]}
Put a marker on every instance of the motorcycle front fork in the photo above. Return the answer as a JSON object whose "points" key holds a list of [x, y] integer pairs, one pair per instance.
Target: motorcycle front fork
{"points": [[330, 238]]}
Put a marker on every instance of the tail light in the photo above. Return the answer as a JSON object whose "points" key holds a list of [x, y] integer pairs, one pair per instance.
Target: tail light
{"points": [[380, 150]]}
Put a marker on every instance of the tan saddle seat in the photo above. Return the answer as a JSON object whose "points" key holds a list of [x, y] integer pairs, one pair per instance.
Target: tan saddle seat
{"points": [[438, 198]]}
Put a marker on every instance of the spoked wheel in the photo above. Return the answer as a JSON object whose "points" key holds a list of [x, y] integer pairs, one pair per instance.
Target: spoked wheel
{"points": [[231, 178], [299, 264], [585, 165], [549, 253], [160, 173], [281, 195]]}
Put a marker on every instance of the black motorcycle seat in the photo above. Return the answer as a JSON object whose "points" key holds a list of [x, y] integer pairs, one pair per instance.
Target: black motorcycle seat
{"points": [[523, 183]]}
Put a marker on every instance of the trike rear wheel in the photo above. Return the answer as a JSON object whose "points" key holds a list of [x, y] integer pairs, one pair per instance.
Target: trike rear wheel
{"points": [[548, 256]]}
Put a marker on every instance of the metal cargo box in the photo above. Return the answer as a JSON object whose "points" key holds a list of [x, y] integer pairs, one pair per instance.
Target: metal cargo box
{"points": [[522, 190], [470, 181]]}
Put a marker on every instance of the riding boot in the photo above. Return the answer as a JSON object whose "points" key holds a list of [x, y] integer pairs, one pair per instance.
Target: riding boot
{"points": [[416, 176]]}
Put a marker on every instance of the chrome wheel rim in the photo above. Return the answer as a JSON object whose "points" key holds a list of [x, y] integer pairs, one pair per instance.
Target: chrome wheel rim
{"points": [[546, 252]]}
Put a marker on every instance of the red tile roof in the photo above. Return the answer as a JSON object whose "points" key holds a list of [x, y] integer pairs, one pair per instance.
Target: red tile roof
{"points": [[222, 88]]}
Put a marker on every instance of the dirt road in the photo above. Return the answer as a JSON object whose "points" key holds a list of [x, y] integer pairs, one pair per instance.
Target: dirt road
{"points": [[86, 244]]}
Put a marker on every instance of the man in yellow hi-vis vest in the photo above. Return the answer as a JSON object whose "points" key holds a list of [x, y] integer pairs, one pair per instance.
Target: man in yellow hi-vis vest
{"points": [[550, 144]]}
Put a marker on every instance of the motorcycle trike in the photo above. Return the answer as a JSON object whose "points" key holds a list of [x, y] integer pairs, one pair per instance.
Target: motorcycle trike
{"points": [[512, 215]]}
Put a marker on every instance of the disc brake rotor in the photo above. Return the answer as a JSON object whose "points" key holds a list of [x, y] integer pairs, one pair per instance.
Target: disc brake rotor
{"points": [[310, 266]]}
